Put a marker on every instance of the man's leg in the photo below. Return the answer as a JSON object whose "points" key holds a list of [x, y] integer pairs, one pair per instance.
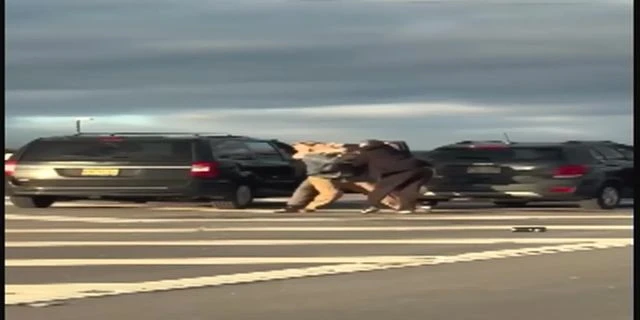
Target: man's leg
{"points": [[300, 197], [385, 186], [328, 192], [366, 187], [303, 195], [409, 191]]}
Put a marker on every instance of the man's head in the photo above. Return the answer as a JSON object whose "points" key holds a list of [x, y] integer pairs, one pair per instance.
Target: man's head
{"points": [[303, 148], [371, 143]]}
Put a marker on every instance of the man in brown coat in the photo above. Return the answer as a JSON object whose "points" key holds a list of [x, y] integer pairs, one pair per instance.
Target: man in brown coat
{"points": [[395, 171]]}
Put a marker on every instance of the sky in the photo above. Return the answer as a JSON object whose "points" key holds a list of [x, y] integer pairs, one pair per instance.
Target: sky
{"points": [[430, 72]]}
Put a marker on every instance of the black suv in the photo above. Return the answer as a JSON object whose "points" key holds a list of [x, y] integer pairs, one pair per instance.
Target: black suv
{"points": [[229, 171], [596, 173]]}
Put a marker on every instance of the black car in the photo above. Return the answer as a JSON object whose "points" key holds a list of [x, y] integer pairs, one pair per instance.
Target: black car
{"points": [[595, 173], [228, 171]]}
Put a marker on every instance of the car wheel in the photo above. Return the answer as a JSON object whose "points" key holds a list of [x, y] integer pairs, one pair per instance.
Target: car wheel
{"points": [[608, 198], [242, 197], [32, 202], [511, 204]]}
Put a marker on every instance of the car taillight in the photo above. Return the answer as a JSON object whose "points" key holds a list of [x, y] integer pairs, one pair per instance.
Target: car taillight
{"points": [[204, 169], [570, 171], [10, 167]]}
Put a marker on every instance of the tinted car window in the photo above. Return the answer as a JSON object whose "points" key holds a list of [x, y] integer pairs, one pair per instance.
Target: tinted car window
{"points": [[264, 150], [609, 153], [287, 149], [596, 155], [231, 150], [113, 150], [496, 154], [626, 151]]}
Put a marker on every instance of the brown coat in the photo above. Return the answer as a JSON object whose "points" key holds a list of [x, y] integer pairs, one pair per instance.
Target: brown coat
{"points": [[382, 160]]}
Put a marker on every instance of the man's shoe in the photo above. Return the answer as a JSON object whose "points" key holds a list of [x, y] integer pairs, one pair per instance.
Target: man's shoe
{"points": [[305, 210], [405, 211], [370, 210], [287, 210], [423, 209]]}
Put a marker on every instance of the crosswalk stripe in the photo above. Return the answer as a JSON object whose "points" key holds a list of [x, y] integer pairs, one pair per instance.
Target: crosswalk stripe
{"points": [[89, 205], [291, 242], [206, 261], [312, 229], [433, 217], [47, 293]]}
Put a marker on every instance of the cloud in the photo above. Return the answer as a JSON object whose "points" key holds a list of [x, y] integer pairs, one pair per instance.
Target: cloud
{"points": [[376, 111], [355, 68]]}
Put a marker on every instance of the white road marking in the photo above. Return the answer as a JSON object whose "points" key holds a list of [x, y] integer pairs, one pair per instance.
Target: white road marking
{"points": [[56, 218], [90, 205], [206, 261], [457, 217], [290, 242], [312, 229], [46, 293]]}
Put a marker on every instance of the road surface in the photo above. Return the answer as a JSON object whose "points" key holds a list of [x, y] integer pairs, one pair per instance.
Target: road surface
{"points": [[180, 261]]}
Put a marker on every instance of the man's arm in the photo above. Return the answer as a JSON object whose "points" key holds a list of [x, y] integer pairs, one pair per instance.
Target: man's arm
{"points": [[360, 159]]}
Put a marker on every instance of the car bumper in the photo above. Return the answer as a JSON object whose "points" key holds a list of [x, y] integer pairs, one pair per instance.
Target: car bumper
{"points": [[548, 191]]}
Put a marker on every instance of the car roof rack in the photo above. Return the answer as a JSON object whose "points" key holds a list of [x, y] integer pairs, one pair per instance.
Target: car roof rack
{"points": [[589, 141], [480, 141]]}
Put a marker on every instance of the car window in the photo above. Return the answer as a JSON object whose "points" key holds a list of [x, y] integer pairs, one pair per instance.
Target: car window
{"points": [[286, 149], [609, 153], [496, 154], [537, 154], [231, 150], [108, 150], [596, 155], [627, 151], [264, 150]]}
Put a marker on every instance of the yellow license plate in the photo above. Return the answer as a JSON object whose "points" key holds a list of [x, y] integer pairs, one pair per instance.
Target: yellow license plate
{"points": [[100, 172]]}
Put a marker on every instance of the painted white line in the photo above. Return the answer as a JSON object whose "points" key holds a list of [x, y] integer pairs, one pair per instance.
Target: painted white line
{"points": [[291, 242], [90, 205], [206, 261], [55, 218], [47, 293], [313, 229], [457, 217]]}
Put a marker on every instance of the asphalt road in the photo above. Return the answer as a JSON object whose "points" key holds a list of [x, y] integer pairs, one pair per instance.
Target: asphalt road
{"points": [[176, 261]]}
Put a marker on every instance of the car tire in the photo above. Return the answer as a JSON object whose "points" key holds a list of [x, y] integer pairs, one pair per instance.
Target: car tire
{"points": [[32, 202], [607, 198], [242, 197], [511, 204]]}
